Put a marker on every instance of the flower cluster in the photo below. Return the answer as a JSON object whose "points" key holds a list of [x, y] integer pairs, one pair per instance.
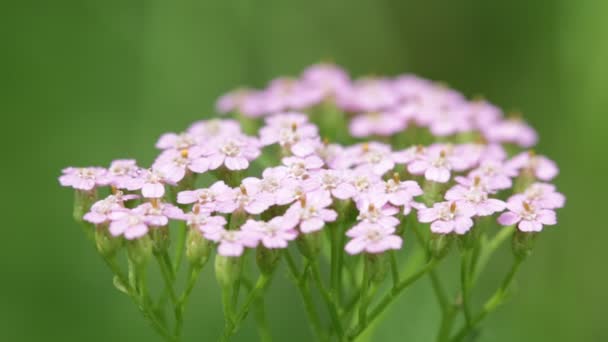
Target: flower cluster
{"points": [[286, 181]]}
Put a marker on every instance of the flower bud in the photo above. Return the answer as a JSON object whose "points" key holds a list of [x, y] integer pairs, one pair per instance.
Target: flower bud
{"points": [[309, 244], [160, 239], [107, 245], [227, 270], [377, 267], [140, 250], [467, 241], [267, 259], [83, 200], [522, 243], [197, 248], [439, 245], [432, 192]]}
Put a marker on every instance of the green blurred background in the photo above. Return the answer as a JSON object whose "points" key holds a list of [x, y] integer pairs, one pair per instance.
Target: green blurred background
{"points": [[87, 81]]}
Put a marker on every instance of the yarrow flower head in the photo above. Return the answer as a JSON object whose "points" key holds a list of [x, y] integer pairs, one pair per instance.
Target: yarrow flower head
{"points": [[369, 161]]}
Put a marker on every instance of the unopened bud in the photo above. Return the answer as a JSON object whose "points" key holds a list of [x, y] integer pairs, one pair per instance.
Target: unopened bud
{"points": [[83, 200], [309, 244], [160, 239], [227, 270], [377, 267], [267, 259], [439, 245], [107, 245], [522, 243], [197, 248], [140, 250]]}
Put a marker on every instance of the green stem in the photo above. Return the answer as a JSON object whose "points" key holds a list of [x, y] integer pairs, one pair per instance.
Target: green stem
{"points": [[489, 249], [464, 286], [261, 321], [491, 304], [330, 302], [193, 273], [257, 291], [180, 246], [394, 269], [363, 295], [302, 284], [391, 296]]}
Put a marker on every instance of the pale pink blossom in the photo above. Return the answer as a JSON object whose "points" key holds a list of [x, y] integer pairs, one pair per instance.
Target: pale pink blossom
{"points": [[245, 197], [528, 216], [275, 233], [513, 130], [337, 183], [477, 197], [311, 211], [543, 195], [234, 152], [151, 182], [135, 223], [448, 217], [205, 222], [176, 141], [374, 208], [541, 167], [232, 243], [84, 178], [399, 193], [437, 163], [205, 198], [208, 131], [101, 210], [300, 168], [291, 131], [372, 238], [122, 171], [382, 124], [174, 164]]}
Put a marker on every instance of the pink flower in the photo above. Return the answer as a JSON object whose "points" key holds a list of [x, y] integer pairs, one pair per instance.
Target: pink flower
{"points": [[448, 217], [231, 101], [437, 163], [329, 78], [174, 164], [135, 223], [288, 94], [211, 130], [311, 211], [204, 222], [173, 141], [151, 182], [291, 131], [121, 172], [375, 157], [232, 243], [300, 168], [101, 210], [381, 124], [274, 233], [368, 95], [495, 174], [374, 208], [372, 238], [336, 183], [205, 198], [513, 131], [527, 216], [246, 197], [542, 195], [399, 193], [87, 178], [234, 152], [542, 167], [477, 197]]}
